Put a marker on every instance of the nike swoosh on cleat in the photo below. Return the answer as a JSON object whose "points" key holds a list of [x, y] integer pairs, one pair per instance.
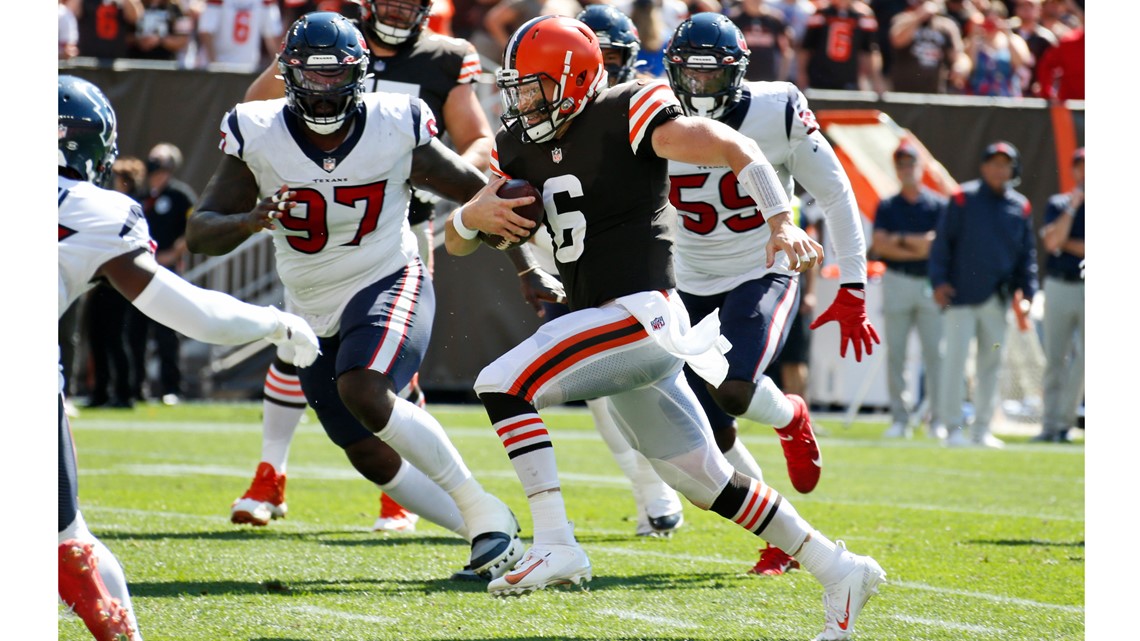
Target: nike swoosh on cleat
{"points": [[818, 461], [784, 437], [514, 577], [846, 615]]}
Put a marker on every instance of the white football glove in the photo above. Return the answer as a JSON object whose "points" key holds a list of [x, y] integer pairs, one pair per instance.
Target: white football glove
{"points": [[425, 196], [295, 332]]}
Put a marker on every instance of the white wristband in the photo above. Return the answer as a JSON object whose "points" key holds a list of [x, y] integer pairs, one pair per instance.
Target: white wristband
{"points": [[460, 228], [761, 183]]}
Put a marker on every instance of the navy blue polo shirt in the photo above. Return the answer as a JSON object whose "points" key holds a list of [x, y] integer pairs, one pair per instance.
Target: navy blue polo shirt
{"points": [[1064, 265], [985, 244], [898, 215]]}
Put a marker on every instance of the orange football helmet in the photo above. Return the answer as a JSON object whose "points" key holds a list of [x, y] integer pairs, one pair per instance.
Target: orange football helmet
{"points": [[565, 54]]}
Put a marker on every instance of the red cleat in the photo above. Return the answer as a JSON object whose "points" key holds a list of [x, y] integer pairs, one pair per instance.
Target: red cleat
{"points": [[264, 500], [394, 517], [82, 589], [800, 448], [774, 562]]}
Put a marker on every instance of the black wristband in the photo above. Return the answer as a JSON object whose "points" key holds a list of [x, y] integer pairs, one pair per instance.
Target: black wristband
{"points": [[852, 286]]}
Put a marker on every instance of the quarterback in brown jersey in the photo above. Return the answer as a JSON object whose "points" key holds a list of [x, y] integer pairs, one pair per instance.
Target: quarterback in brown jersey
{"points": [[599, 158]]}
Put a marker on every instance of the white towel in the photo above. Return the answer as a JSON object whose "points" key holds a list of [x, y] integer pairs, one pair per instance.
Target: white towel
{"points": [[702, 346]]}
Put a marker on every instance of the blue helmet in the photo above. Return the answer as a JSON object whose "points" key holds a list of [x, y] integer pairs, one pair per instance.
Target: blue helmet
{"points": [[706, 61], [323, 61], [615, 31], [86, 130]]}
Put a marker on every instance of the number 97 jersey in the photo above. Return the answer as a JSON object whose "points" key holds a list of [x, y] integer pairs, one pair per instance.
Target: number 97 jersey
{"points": [[350, 226]]}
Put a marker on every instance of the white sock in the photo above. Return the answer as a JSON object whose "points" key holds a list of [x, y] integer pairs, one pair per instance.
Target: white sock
{"points": [[109, 569], [278, 425], [742, 461], [550, 523], [769, 406], [412, 489], [818, 557], [420, 439]]}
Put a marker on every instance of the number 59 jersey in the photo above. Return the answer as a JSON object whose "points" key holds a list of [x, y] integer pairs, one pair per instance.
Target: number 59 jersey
{"points": [[721, 235], [350, 226], [605, 192]]}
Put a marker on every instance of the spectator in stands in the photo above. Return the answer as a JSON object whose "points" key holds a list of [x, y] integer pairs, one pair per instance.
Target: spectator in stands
{"points": [[984, 251], [903, 232], [796, 15], [167, 203], [235, 32], [769, 38], [1059, 17], [105, 313], [68, 32], [104, 26], [1063, 236], [1061, 72], [656, 20], [163, 33], [964, 13], [839, 49], [997, 56], [502, 20], [928, 50], [1027, 24], [885, 12]]}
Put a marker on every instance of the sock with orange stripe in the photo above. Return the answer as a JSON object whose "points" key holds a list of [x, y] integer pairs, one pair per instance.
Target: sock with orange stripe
{"points": [[761, 510], [282, 409]]}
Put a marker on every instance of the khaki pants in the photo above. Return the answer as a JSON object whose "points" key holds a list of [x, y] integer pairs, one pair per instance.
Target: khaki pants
{"points": [[1064, 343], [907, 305], [962, 324]]}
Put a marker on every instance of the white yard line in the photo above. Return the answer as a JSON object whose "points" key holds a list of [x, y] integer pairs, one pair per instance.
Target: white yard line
{"points": [[648, 618], [338, 614], [950, 625]]}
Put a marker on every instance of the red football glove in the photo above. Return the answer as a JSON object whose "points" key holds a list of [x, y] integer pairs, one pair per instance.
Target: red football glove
{"points": [[849, 309]]}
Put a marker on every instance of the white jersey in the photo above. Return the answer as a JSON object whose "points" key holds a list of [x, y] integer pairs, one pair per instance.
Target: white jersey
{"points": [[721, 237], [95, 225], [350, 226], [239, 27]]}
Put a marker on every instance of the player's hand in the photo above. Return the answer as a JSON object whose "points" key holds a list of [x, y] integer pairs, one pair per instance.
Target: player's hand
{"points": [[490, 214], [802, 250], [943, 295], [270, 209], [293, 331], [849, 309], [537, 286]]}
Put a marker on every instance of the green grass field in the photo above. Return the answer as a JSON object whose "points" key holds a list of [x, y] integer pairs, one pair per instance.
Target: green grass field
{"points": [[976, 544]]}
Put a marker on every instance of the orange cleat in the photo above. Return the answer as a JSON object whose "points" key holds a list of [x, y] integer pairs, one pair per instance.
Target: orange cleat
{"points": [[774, 562], [83, 590], [394, 517], [263, 501], [801, 450]]}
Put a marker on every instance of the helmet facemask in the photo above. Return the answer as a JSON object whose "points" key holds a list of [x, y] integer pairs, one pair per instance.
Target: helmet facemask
{"points": [[705, 86], [623, 70], [394, 22], [323, 90], [525, 103]]}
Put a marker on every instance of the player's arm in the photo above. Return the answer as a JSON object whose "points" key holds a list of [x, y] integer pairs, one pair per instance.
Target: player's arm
{"points": [[703, 141], [202, 314], [229, 211], [267, 86], [467, 125]]}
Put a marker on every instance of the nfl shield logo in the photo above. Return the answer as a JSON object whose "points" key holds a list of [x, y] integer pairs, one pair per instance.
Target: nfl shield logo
{"points": [[657, 323], [330, 164], [556, 155]]}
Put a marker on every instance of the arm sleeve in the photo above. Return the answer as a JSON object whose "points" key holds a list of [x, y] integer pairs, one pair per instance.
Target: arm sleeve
{"points": [[814, 165], [202, 314]]}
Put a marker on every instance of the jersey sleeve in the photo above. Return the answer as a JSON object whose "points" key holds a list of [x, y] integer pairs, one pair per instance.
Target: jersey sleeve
{"points": [[651, 105], [233, 142], [471, 67], [423, 121], [496, 169]]}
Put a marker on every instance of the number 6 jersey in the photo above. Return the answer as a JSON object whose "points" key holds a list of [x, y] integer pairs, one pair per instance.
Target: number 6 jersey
{"points": [[350, 227]]}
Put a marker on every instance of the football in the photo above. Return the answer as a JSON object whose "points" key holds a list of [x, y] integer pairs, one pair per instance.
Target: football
{"points": [[517, 188]]}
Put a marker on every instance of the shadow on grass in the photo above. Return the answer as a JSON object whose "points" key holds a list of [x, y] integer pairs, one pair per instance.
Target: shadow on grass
{"points": [[1029, 542]]}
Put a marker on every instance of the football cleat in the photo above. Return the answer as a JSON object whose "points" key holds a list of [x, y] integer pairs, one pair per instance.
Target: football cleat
{"points": [[394, 517], [83, 590], [844, 599], [263, 501], [659, 499], [495, 543], [801, 450], [543, 566], [774, 562]]}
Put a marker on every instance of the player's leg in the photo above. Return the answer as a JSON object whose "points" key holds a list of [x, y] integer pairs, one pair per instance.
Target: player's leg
{"points": [[899, 315], [589, 353], [91, 581], [992, 327], [958, 332], [664, 422], [659, 510], [384, 332], [282, 405]]}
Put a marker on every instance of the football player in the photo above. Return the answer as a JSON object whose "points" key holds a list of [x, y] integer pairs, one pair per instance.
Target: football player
{"points": [[600, 161], [717, 262], [103, 236], [617, 36], [326, 171], [405, 57]]}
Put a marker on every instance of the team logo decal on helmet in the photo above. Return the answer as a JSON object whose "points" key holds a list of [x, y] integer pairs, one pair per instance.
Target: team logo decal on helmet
{"points": [[616, 32], [87, 130], [394, 22], [552, 69], [324, 62], [706, 61]]}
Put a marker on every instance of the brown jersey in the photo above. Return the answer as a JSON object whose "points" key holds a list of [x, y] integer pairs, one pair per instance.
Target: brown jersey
{"points": [[606, 193]]}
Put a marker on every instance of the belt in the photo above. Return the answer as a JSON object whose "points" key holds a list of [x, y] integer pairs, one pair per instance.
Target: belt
{"points": [[1068, 278], [917, 272]]}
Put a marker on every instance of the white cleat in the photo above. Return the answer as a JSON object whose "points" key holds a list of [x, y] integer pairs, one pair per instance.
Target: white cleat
{"points": [[844, 599], [543, 566]]}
